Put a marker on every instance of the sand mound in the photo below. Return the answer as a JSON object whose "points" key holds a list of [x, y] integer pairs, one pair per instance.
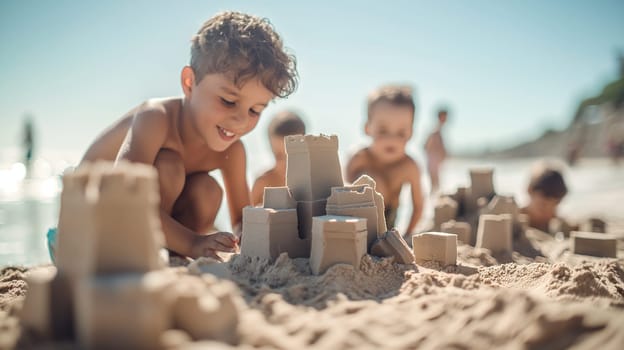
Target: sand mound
{"points": [[386, 305], [376, 279]]}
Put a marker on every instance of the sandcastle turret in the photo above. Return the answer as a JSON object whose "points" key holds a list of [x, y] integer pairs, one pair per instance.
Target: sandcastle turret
{"points": [[312, 169], [109, 288], [107, 220], [272, 229], [357, 201]]}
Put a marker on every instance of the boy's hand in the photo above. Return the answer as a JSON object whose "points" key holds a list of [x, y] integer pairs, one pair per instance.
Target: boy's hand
{"points": [[208, 245]]}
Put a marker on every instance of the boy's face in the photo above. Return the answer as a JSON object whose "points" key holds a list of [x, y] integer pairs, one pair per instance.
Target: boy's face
{"points": [[221, 112], [390, 127], [543, 208]]}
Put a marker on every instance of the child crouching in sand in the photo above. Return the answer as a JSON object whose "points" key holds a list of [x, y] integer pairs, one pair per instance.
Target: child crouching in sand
{"points": [[390, 122], [238, 65], [546, 190]]}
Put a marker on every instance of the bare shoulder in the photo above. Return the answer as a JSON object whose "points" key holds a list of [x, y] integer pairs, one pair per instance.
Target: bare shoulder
{"points": [[359, 156], [409, 166], [357, 164], [156, 111]]}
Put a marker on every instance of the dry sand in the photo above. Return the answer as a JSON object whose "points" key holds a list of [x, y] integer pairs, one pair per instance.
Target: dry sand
{"points": [[540, 297]]}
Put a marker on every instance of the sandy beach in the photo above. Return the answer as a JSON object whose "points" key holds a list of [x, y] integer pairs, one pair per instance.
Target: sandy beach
{"points": [[539, 297], [553, 300]]}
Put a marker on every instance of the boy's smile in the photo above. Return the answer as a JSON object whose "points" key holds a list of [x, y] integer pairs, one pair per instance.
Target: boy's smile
{"points": [[220, 111]]}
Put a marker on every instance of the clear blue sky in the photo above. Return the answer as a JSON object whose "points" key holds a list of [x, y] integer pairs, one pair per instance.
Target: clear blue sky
{"points": [[507, 68]]}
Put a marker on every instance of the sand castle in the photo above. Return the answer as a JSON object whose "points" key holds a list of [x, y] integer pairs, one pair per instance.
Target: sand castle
{"points": [[316, 215], [109, 288], [595, 244], [479, 216], [461, 229]]}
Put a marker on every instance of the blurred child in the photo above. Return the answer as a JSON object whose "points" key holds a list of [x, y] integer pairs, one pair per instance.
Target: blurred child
{"points": [[238, 65], [390, 121], [283, 124], [436, 152], [546, 190]]}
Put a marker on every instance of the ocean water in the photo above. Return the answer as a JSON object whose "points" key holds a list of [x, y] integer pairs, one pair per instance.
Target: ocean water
{"points": [[29, 200]]}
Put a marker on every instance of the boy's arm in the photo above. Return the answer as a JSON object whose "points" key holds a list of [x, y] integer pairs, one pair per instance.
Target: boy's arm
{"points": [[417, 198], [234, 170], [257, 191]]}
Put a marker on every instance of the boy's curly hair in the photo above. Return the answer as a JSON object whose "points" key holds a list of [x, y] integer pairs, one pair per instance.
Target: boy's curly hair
{"points": [[397, 95], [245, 46]]}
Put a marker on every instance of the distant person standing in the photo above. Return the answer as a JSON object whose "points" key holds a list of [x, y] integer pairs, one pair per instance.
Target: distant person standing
{"points": [[436, 152], [28, 141]]}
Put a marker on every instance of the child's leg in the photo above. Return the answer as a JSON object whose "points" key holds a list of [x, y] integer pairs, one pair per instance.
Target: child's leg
{"points": [[199, 202]]}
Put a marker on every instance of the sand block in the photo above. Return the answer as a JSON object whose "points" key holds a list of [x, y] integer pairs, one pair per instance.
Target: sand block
{"points": [[392, 244], [356, 201], [379, 201], [336, 240], [278, 198], [494, 233], [502, 205], [123, 310], [444, 210], [36, 314], [594, 244], [313, 167], [435, 246], [109, 220], [306, 210], [482, 184], [48, 307], [268, 232], [460, 228], [460, 197], [75, 246], [207, 312]]}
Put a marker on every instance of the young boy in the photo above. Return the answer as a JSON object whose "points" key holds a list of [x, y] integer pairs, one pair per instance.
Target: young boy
{"points": [[390, 121], [436, 152], [546, 190], [283, 124], [238, 65]]}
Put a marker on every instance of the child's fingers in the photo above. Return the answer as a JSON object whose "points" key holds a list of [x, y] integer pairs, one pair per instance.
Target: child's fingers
{"points": [[213, 244], [225, 238]]}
